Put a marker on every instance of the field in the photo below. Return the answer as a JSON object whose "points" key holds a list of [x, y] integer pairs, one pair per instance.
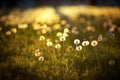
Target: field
{"points": [[62, 43]]}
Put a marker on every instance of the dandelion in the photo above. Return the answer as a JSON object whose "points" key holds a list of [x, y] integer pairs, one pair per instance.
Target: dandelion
{"points": [[78, 48], [63, 38], [66, 30], [22, 26], [56, 26], [48, 40], [57, 46], [67, 25], [90, 28], [85, 43], [56, 41], [100, 38], [36, 26], [74, 30], [42, 38], [44, 31], [41, 58], [94, 43], [76, 41], [14, 30], [49, 43], [8, 32], [63, 22], [111, 62], [59, 34], [112, 29], [65, 34], [37, 52]]}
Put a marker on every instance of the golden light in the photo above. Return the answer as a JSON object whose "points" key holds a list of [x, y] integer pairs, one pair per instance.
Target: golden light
{"points": [[46, 15], [74, 11]]}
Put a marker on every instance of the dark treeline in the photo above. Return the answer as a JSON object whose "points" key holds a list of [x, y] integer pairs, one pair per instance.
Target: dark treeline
{"points": [[33, 3]]}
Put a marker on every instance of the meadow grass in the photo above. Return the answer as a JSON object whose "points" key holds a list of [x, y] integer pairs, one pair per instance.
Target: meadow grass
{"points": [[25, 55]]}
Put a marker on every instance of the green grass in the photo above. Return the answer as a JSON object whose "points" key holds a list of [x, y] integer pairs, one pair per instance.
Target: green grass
{"points": [[18, 60]]}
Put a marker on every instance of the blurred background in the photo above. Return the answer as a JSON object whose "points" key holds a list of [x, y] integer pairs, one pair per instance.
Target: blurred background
{"points": [[33, 3]]}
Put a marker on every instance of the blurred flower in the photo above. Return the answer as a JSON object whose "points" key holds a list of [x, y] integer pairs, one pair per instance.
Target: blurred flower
{"points": [[105, 25], [49, 43], [49, 29], [65, 34], [42, 38], [76, 41], [63, 22], [85, 43], [22, 26], [44, 31], [94, 43], [78, 48], [14, 30], [56, 41], [44, 26], [111, 62], [62, 38], [57, 46], [36, 26], [48, 40], [0, 28], [90, 28], [118, 29], [37, 52], [74, 30], [56, 26], [8, 32], [104, 39], [66, 30], [111, 29], [67, 25], [88, 22], [41, 58], [100, 38], [59, 34]]}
